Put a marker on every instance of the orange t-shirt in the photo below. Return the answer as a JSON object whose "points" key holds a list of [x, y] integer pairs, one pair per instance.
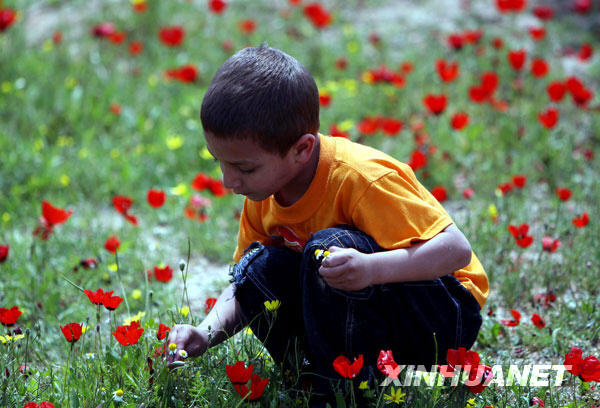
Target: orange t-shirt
{"points": [[363, 187]]}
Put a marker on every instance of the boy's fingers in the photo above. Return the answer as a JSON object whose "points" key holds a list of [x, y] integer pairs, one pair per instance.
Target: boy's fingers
{"points": [[331, 273]]}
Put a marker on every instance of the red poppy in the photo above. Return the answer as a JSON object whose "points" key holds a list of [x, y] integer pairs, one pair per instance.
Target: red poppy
{"points": [[336, 132], [549, 117], [582, 6], [118, 37], [507, 6], [585, 52], [418, 160], [460, 357], [294, 3], [472, 36], [200, 182], [324, 99], [386, 363], [97, 297], [459, 120], [435, 103], [156, 198], [481, 375], [439, 192], [545, 298], [341, 63], [519, 180], [103, 30], [543, 12], [187, 73], [537, 401], [505, 188], [247, 26], [57, 37], [517, 59], [196, 209], [53, 215], [44, 404], [112, 244], [239, 375], [538, 321], [8, 317], [537, 33], [111, 302], [171, 36], [391, 126], [539, 67], [520, 234], [162, 331], [217, 6], [4, 252], [122, 204], [497, 43], [89, 263], [563, 193], [368, 125], [140, 6], [71, 331], [455, 41], [556, 91], [588, 369], [515, 320], [550, 245], [582, 220], [580, 94], [209, 304], [257, 387], [317, 14], [468, 193], [115, 108], [217, 188], [164, 274], [128, 334], [136, 47], [447, 71], [346, 369], [7, 18]]}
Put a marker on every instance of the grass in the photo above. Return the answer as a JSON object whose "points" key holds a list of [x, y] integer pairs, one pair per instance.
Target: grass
{"points": [[61, 142]]}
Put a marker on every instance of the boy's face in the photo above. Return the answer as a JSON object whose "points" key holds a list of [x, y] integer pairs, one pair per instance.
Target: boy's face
{"points": [[250, 170]]}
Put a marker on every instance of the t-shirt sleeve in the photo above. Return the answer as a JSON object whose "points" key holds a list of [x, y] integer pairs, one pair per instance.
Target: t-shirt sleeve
{"points": [[250, 230], [396, 210]]}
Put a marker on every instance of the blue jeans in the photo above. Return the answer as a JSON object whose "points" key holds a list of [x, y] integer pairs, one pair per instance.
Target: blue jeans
{"points": [[418, 321]]}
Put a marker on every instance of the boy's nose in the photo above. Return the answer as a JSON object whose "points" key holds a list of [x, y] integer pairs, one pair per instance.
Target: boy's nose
{"points": [[230, 180]]}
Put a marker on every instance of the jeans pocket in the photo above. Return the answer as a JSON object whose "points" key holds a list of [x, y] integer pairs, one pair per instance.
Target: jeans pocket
{"points": [[242, 270], [363, 294]]}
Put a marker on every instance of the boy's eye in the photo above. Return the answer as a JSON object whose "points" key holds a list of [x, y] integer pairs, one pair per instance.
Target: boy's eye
{"points": [[246, 171]]}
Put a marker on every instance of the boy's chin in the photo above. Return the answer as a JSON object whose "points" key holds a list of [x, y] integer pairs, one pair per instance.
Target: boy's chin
{"points": [[256, 197]]}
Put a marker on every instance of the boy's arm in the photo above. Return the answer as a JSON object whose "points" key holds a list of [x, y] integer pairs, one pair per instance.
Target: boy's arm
{"points": [[348, 269], [224, 320]]}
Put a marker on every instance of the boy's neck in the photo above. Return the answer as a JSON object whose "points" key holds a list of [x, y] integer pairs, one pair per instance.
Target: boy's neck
{"points": [[296, 189]]}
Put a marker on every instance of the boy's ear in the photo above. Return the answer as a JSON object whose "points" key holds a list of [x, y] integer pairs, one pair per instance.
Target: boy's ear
{"points": [[304, 147]]}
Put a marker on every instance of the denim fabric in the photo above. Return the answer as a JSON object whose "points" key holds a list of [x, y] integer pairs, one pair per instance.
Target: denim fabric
{"points": [[418, 321]]}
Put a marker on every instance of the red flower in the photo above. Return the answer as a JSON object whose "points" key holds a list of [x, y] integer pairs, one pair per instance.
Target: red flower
{"points": [[164, 274], [483, 375], [122, 204], [368, 125], [556, 91], [140, 6], [580, 94], [386, 363], [89, 263], [543, 12], [537, 33], [156, 198], [128, 334], [71, 331], [550, 245], [583, 6], [324, 99], [588, 369], [507, 6], [519, 180], [4, 252], [418, 160], [103, 30], [97, 297], [517, 59], [468, 193], [112, 244], [462, 357], [538, 321], [472, 36], [447, 71], [539, 67], [515, 320], [162, 331], [585, 52], [498, 43], [455, 41], [563, 193], [391, 126], [439, 193], [171, 36], [257, 387], [435, 103], [8, 317], [336, 132], [317, 14], [546, 298], [201, 181], [346, 369], [520, 234], [118, 37], [111, 302], [247, 26], [581, 221], [505, 188], [115, 108], [459, 120], [549, 117], [186, 73], [573, 360], [51, 216], [238, 373], [57, 37], [44, 404], [136, 47], [537, 401], [217, 6], [7, 18], [341, 63], [209, 304]]}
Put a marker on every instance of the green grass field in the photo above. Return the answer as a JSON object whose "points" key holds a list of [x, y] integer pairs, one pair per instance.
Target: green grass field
{"points": [[91, 112]]}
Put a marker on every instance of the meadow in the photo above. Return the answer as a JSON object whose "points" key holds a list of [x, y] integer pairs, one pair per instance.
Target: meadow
{"points": [[106, 186]]}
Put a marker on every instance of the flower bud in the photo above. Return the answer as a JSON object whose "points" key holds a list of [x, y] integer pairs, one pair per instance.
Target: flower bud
{"points": [[182, 265]]}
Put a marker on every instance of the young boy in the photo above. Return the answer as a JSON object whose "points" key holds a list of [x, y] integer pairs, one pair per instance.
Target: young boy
{"points": [[400, 275]]}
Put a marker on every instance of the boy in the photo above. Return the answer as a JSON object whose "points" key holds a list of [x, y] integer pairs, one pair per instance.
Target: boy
{"points": [[400, 275]]}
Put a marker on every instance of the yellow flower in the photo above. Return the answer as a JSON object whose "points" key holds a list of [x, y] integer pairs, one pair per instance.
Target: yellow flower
{"points": [[48, 45], [118, 395], [395, 396], [205, 154], [6, 217], [7, 87], [83, 153], [38, 145], [65, 180], [84, 328], [353, 47], [248, 331], [272, 305], [8, 337], [346, 125], [367, 77], [174, 142], [180, 189], [184, 311], [152, 80], [113, 267], [135, 318], [470, 403], [183, 353], [172, 346], [364, 385], [493, 211], [136, 294]]}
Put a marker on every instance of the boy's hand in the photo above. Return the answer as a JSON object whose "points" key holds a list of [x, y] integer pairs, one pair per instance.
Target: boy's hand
{"points": [[346, 269], [188, 338]]}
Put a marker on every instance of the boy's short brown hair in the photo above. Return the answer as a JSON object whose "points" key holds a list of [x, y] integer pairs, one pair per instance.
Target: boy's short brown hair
{"points": [[264, 95]]}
